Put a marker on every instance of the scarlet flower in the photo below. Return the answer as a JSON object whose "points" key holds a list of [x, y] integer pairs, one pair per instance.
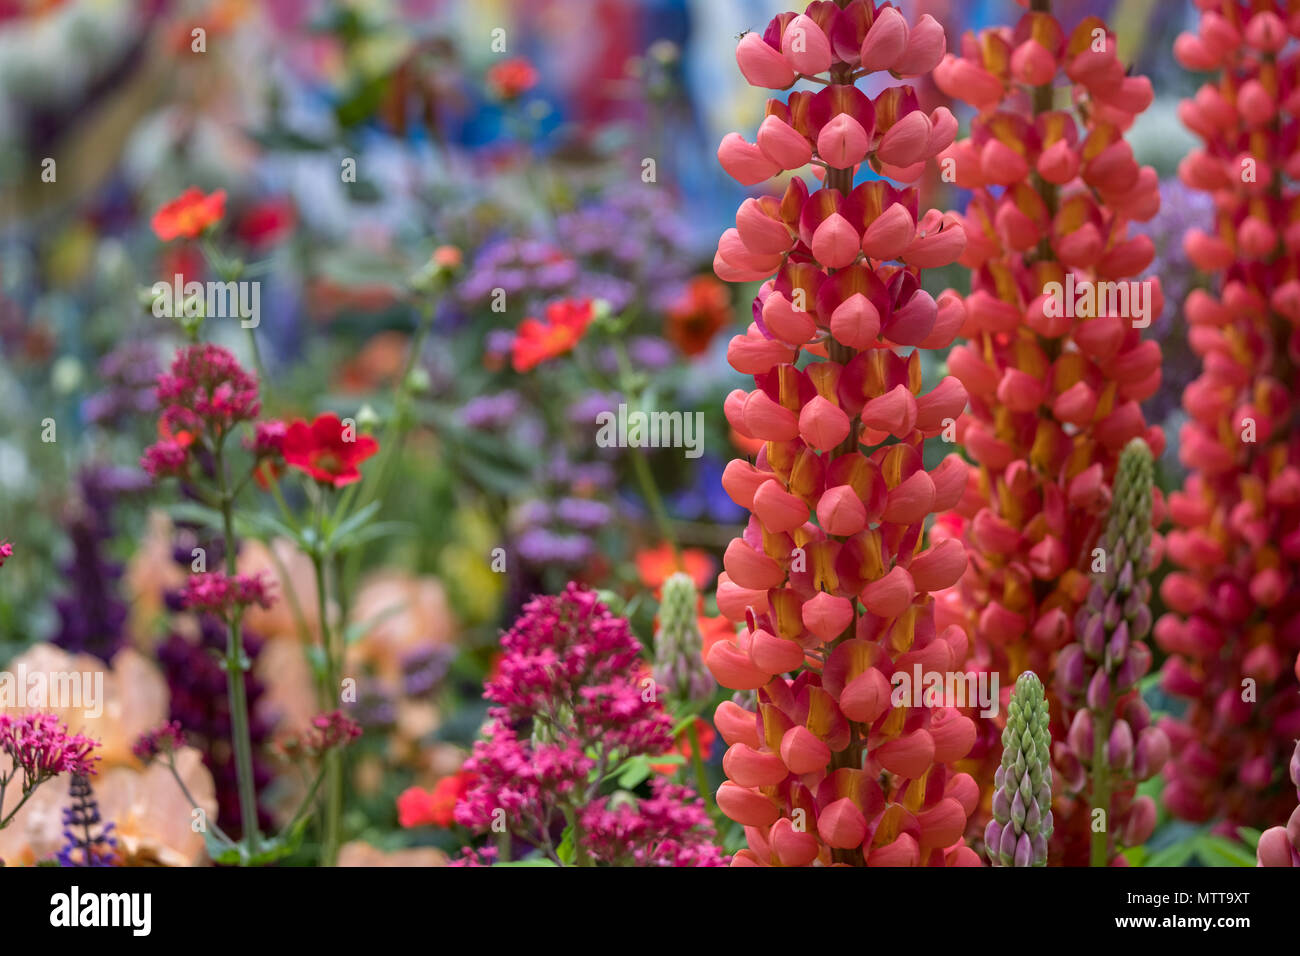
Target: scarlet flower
{"points": [[326, 450], [537, 341], [655, 565], [512, 78], [266, 223], [415, 807], [418, 807], [189, 214], [703, 309]]}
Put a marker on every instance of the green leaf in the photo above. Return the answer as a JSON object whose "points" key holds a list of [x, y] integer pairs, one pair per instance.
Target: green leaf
{"points": [[192, 512], [371, 532], [1218, 851], [566, 851], [1176, 855], [266, 526], [531, 861], [350, 524], [634, 771]]}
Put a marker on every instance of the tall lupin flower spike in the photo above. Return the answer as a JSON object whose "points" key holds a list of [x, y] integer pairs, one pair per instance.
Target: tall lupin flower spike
{"points": [[1022, 801], [831, 577], [1053, 358], [1233, 627], [1111, 745]]}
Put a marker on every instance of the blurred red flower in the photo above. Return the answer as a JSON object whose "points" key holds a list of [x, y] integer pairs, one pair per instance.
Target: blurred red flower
{"points": [[418, 807], [327, 450], [537, 341], [188, 214], [512, 78], [695, 318], [267, 222], [655, 565]]}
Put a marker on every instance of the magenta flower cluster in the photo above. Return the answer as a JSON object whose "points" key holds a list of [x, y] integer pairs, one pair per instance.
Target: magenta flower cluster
{"points": [[226, 595], [41, 747], [162, 741], [571, 701], [203, 396]]}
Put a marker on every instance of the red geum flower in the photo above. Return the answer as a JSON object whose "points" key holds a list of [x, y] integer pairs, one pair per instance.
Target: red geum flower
{"points": [[512, 78], [695, 318], [327, 450], [189, 214], [537, 341]]}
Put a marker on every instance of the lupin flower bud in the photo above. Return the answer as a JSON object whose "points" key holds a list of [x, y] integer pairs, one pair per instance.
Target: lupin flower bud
{"points": [[1280, 846], [1234, 603], [1108, 659], [831, 576], [1022, 820], [679, 646]]}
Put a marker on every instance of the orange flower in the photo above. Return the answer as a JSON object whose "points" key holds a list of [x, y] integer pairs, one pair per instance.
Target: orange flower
{"points": [[655, 565], [188, 214], [537, 341], [695, 318]]}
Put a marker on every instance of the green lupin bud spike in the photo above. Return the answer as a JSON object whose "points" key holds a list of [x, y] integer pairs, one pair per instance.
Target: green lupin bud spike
{"points": [[1022, 812], [679, 664]]}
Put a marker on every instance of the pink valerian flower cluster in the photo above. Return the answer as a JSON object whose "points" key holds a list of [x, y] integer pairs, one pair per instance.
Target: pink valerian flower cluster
{"points": [[1280, 846], [327, 732], [1233, 627], [670, 828], [830, 576], [268, 438], [224, 595], [41, 747], [1055, 391], [6, 552], [162, 741], [569, 703], [203, 396]]}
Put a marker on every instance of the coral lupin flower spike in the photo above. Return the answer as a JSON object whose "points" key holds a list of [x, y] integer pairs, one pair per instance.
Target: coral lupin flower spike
{"points": [[1053, 359], [831, 577], [1233, 627]]}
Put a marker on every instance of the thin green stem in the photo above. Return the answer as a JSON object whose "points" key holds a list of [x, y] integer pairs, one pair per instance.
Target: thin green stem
{"points": [[640, 466], [236, 664]]}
